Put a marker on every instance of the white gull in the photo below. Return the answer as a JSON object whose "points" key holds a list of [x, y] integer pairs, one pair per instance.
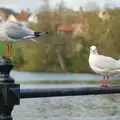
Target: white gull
{"points": [[13, 31], [103, 65]]}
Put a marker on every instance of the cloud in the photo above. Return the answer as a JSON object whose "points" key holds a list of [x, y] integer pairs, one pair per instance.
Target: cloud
{"points": [[4, 2], [35, 4]]}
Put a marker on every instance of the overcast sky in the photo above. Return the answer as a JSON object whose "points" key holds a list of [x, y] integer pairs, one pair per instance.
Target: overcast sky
{"points": [[34, 4]]}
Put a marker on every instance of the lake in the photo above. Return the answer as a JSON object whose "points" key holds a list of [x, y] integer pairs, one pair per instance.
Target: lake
{"points": [[31, 76], [94, 107]]}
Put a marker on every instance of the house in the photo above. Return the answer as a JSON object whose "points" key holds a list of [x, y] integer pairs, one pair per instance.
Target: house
{"points": [[64, 28], [33, 18], [2, 15], [80, 29], [5, 12], [22, 16], [104, 15], [77, 29]]}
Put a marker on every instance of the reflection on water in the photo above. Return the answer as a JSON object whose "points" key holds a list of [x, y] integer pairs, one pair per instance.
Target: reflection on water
{"points": [[99, 107]]}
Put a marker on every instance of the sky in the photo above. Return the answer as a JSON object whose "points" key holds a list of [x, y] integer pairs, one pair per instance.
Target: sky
{"points": [[35, 4]]}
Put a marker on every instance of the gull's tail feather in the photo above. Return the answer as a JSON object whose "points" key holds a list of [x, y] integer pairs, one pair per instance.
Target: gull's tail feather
{"points": [[34, 35], [38, 34]]}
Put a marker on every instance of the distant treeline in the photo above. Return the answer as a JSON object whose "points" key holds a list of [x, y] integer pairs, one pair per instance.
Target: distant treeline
{"points": [[60, 52]]}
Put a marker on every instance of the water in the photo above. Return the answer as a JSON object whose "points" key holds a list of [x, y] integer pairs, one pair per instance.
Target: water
{"points": [[27, 76], [99, 107], [69, 108]]}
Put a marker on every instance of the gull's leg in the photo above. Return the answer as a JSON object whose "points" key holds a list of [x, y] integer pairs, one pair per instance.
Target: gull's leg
{"points": [[9, 49], [7, 46], [105, 81], [108, 79], [102, 81], [11, 52]]}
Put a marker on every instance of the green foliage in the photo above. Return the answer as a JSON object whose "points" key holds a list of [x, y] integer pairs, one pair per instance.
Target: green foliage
{"points": [[18, 57], [2, 49]]}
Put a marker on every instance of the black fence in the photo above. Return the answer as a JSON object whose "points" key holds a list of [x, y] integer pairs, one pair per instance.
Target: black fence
{"points": [[57, 92]]}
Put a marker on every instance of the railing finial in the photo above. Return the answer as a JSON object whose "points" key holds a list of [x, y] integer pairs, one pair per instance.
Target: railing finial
{"points": [[9, 91]]}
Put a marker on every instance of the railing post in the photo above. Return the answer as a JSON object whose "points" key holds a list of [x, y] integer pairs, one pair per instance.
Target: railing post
{"points": [[9, 91]]}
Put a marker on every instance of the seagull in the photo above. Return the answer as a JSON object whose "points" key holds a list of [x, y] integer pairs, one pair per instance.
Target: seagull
{"points": [[13, 31], [103, 65]]}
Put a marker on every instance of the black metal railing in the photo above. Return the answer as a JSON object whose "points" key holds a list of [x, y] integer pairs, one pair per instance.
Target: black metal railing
{"points": [[57, 92], [10, 92]]}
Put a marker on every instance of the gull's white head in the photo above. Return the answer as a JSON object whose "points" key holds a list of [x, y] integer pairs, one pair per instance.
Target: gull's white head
{"points": [[93, 49]]}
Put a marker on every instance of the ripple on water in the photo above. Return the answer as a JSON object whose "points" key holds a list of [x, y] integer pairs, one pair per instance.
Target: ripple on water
{"points": [[100, 107]]}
